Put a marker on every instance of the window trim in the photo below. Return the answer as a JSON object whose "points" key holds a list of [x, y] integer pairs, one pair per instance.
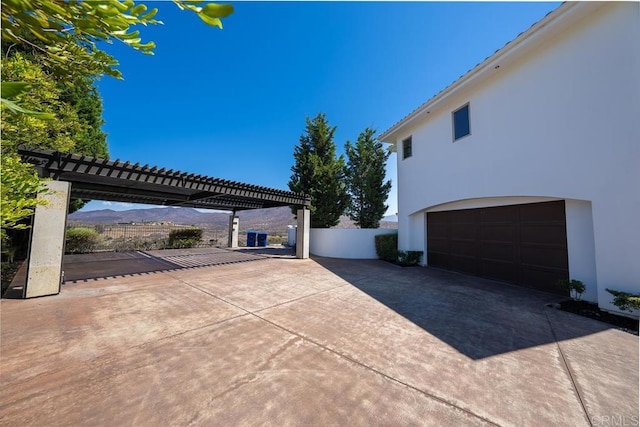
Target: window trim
{"points": [[453, 121], [408, 139]]}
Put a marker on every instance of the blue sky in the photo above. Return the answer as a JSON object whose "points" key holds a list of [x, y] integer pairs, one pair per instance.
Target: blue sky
{"points": [[232, 103]]}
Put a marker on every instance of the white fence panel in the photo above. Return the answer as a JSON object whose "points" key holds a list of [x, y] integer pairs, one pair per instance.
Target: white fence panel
{"points": [[348, 243]]}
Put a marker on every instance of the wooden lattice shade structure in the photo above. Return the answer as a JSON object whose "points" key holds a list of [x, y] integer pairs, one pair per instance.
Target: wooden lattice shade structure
{"points": [[93, 178]]}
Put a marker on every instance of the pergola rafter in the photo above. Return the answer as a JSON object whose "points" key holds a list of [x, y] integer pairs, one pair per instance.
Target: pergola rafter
{"points": [[102, 179]]}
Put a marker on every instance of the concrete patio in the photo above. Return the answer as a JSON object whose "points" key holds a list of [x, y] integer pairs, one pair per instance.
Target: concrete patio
{"points": [[278, 341]]}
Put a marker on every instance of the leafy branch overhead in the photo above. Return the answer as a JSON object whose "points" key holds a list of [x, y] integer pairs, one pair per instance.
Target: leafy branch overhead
{"points": [[68, 32], [11, 92], [50, 60]]}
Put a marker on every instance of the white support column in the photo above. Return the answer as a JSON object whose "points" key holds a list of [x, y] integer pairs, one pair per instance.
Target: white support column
{"points": [[46, 249], [233, 231], [302, 233]]}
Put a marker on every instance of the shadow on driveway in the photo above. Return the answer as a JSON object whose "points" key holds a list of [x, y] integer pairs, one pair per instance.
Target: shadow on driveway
{"points": [[101, 265], [478, 317]]}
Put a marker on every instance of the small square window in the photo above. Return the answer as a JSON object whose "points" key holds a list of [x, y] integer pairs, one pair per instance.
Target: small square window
{"points": [[407, 149], [461, 126]]}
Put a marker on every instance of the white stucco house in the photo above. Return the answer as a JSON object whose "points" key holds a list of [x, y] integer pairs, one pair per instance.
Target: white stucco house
{"points": [[527, 168]]}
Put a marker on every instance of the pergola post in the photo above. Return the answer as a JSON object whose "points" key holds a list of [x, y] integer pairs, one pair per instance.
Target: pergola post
{"points": [[302, 233], [233, 231], [46, 248]]}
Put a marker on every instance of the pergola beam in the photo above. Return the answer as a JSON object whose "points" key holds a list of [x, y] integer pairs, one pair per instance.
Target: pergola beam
{"points": [[117, 178]]}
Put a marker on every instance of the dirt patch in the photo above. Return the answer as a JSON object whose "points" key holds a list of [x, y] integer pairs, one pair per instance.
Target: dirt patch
{"points": [[591, 310]]}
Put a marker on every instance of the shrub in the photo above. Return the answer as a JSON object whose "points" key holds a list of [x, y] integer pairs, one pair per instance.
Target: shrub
{"points": [[81, 240], [409, 257], [387, 247], [137, 244], [277, 240], [625, 301], [574, 287], [184, 238]]}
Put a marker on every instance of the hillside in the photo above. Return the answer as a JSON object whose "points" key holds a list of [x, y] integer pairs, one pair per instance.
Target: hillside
{"points": [[269, 220]]}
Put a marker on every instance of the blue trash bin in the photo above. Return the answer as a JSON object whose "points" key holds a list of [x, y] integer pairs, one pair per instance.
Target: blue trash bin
{"points": [[252, 239], [262, 239]]}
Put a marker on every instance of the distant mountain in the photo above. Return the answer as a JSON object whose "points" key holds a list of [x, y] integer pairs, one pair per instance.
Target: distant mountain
{"points": [[186, 216], [269, 220], [346, 222], [273, 219]]}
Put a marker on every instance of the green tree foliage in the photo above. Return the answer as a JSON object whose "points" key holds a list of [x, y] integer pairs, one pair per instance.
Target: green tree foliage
{"points": [[319, 173], [75, 114], [68, 32], [624, 300], [185, 238], [80, 240], [387, 246], [87, 103], [50, 59], [90, 139], [365, 180], [44, 95], [19, 183]]}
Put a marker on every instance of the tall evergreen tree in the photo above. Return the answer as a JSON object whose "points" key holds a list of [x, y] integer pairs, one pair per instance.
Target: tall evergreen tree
{"points": [[87, 103], [365, 180], [319, 173]]}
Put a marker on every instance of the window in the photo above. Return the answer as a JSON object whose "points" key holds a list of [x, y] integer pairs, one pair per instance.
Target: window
{"points": [[461, 125], [407, 149]]}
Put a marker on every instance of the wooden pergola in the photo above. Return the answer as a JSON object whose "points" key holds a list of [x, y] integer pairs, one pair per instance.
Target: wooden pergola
{"points": [[83, 177], [93, 178]]}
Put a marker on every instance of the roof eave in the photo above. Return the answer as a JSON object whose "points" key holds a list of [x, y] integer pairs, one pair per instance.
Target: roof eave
{"points": [[392, 134]]}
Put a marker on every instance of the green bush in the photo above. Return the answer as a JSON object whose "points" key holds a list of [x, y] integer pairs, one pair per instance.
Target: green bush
{"points": [[184, 238], [277, 240], [625, 301], [409, 257], [574, 287], [81, 240], [387, 247], [137, 244]]}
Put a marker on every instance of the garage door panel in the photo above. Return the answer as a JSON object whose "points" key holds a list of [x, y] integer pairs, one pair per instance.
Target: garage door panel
{"points": [[464, 248], [521, 244], [438, 245], [464, 264], [543, 256], [438, 217], [542, 279], [503, 271], [498, 251], [546, 234], [462, 217], [543, 212], [500, 214], [464, 231], [438, 231], [497, 233], [438, 259]]}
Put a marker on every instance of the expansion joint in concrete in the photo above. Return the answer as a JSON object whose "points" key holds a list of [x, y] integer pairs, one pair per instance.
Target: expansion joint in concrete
{"points": [[567, 369], [378, 372]]}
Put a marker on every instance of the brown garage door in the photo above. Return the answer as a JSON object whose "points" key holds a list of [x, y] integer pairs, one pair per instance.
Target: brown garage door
{"points": [[521, 244]]}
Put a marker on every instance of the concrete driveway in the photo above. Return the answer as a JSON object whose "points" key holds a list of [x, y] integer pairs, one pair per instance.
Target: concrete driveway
{"points": [[309, 342]]}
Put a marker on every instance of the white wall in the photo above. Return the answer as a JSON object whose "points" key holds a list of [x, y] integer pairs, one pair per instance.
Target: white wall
{"points": [[581, 246], [558, 120], [349, 243]]}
